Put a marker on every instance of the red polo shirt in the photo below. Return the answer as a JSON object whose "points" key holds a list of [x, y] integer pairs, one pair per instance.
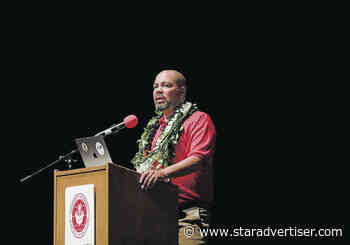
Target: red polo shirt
{"points": [[198, 139]]}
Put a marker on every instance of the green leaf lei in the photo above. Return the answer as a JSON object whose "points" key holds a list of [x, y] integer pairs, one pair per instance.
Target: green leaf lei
{"points": [[163, 150]]}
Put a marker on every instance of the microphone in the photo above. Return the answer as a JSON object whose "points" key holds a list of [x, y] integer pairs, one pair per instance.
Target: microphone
{"points": [[128, 122]]}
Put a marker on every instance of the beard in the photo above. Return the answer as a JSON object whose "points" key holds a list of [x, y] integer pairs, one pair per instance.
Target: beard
{"points": [[162, 106]]}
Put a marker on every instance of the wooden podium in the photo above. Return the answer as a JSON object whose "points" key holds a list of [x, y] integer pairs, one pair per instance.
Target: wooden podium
{"points": [[124, 213]]}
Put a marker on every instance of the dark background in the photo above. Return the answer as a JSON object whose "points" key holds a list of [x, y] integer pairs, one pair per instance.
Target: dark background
{"points": [[277, 158]]}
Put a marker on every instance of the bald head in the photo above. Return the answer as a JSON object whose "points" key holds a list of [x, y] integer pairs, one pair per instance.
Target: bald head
{"points": [[174, 75]]}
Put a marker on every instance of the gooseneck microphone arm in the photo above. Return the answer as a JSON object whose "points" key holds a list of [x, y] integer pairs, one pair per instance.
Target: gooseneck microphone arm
{"points": [[111, 130], [128, 122]]}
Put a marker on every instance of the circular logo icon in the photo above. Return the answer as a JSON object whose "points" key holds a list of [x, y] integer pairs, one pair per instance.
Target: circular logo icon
{"points": [[100, 149], [84, 147], [79, 215]]}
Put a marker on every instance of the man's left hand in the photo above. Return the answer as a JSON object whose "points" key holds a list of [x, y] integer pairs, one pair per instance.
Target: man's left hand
{"points": [[149, 178]]}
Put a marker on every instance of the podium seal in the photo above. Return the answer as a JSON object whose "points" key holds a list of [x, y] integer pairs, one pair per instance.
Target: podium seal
{"points": [[79, 215]]}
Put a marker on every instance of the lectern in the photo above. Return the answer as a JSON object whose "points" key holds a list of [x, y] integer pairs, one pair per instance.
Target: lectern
{"points": [[124, 213]]}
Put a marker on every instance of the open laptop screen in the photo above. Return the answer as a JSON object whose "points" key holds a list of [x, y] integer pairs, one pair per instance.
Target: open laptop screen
{"points": [[93, 151]]}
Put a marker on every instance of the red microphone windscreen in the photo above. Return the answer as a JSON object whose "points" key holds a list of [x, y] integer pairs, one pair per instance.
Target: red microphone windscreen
{"points": [[130, 121]]}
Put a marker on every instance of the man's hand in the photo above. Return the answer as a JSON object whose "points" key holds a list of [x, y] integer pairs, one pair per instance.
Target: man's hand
{"points": [[149, 178]]}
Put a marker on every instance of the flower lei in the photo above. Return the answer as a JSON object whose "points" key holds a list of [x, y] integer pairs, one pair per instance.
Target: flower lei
{"points": [[163, 150]]}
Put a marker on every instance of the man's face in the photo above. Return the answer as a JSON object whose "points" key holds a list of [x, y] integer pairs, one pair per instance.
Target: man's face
{"points": [[166, 94]]}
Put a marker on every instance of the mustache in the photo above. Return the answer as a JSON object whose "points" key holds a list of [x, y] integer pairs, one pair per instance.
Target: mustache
{"points": [[159, 97], [165, 100]]}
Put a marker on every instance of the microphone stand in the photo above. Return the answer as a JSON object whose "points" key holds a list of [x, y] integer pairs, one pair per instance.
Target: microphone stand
{"points": [[67, 158]]}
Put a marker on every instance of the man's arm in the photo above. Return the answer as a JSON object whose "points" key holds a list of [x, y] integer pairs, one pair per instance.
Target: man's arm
{"points": [[149, 178]]}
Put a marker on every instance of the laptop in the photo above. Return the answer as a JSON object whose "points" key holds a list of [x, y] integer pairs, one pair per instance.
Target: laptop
{"points": [[93, 151]]}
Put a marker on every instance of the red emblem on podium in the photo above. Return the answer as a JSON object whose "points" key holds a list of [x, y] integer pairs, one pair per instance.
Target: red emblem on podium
{"points": [[79, 215]]}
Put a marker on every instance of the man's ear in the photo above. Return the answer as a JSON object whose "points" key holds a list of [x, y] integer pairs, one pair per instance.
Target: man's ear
{"points": [[182, 92]]}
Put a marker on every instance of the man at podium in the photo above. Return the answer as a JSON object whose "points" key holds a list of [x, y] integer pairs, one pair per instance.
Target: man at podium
{"points": [[177, 145]]}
